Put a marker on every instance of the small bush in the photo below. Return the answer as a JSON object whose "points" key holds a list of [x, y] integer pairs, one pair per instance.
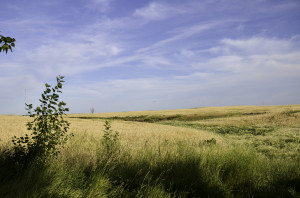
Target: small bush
{"points": [[211, 141], [110, 140], [49, 129]]}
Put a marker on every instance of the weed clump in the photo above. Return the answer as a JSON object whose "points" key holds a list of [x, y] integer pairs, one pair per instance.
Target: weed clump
{"points": [[211, 141], [110, 141]]}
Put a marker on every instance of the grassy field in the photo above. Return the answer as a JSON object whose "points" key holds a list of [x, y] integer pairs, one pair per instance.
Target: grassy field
{"points": [[239, 151]]}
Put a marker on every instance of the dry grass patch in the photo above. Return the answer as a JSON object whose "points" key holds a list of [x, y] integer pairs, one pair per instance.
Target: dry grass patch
{"points": [[134, 135], [11, 125]]}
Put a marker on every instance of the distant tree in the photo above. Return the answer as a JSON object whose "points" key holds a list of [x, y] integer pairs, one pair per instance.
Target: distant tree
{"points": [[92, 110], [6, 43]]}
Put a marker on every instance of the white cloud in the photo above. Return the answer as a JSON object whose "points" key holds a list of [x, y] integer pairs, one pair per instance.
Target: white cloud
{"points": [[263, 57], [187, 53], [179, 34], [71, 54], [157, 11], [151, 61], [258, 45], [202, 75], [221, 63], [100, 5]]}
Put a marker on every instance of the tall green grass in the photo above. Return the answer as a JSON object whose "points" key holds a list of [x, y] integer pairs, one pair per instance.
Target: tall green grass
{"points": [[170, 169]]}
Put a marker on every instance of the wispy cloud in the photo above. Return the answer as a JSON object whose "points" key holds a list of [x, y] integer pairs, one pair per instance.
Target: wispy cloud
{"points": [[180, 34], [265, 57], [257, 45], [99, 5], [158, 11]]}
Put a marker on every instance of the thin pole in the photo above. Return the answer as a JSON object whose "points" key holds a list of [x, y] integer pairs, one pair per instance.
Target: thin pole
{"points": [[25, 102]]}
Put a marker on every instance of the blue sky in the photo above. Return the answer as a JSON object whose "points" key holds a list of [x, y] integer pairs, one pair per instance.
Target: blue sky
{"points": [[125, 55]]}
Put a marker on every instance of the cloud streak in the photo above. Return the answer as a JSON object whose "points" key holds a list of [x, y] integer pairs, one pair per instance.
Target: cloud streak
{"points": [[158, 11]]}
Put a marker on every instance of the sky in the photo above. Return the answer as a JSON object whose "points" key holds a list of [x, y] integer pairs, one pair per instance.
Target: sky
{"points": [[128, 55]]}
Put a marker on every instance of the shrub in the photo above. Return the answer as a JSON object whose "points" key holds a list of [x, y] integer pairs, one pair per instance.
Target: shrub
{"points": [[49, 129], [110, 140], [211, 141]]}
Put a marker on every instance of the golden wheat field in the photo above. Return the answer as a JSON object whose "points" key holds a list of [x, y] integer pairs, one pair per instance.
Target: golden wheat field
{"points": [[276, 129], [234, 151]]}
